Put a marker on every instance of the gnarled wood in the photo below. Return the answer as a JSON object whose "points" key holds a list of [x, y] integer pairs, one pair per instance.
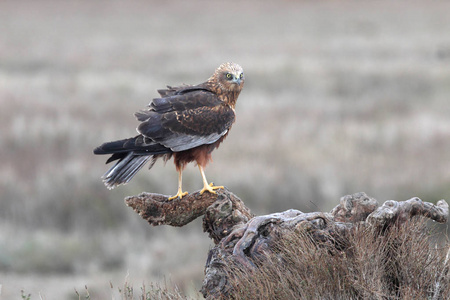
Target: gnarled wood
{"points": [[242, 238], [223, 210], [392, 211]]}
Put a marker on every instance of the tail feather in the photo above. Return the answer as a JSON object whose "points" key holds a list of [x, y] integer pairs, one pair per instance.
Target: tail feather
{"points": [[125, 169], [112, 147], [131, 155]]}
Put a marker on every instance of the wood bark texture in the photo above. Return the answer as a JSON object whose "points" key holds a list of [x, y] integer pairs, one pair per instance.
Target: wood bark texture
{"points": [[243, 238]]}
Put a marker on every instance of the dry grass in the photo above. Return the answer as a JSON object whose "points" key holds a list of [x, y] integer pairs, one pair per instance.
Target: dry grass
{"points": [[401, 263], [128, 292]]}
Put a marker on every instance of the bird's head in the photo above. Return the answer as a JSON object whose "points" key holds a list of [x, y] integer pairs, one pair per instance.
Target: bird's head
{"points": [[230, 76]]}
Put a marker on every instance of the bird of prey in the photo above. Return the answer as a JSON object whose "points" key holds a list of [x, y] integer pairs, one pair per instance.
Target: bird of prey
{"points": [[187, 123]]}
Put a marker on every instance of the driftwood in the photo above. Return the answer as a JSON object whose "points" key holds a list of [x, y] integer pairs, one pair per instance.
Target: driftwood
{"points": [[244, 238]]}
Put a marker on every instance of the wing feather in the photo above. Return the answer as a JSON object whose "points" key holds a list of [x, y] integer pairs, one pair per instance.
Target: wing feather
{"points": [[186, 120]]}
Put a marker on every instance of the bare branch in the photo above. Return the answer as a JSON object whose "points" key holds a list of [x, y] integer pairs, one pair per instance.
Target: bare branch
{"points": [[392, 211], [157, 209]]}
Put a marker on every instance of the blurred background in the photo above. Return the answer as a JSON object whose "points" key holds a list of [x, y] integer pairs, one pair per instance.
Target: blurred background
{"points": [[340, 97]]}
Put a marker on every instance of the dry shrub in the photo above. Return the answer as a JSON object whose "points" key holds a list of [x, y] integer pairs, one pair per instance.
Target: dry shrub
{"points": [[401, 262]]}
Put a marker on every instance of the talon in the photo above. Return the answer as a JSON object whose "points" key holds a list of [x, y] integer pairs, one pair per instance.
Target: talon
{"points": [[180, 195], [210, 188]]}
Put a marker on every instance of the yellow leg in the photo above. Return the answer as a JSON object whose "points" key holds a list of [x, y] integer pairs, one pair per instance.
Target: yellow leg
{"points": [[180, 193], [207, 187]]}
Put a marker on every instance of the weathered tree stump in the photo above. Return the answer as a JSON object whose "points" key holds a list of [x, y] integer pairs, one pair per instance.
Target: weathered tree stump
{"points": [[244, 240]]}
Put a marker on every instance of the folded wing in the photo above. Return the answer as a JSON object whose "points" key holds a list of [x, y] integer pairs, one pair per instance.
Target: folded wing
{"points": [[185, 120]]}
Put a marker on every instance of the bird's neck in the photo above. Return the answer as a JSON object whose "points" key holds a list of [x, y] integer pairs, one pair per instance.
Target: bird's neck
{"points": [[226, 95], [232, 98]]}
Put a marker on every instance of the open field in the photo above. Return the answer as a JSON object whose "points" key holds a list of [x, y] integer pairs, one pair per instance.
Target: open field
{"points": [[339, 97]]}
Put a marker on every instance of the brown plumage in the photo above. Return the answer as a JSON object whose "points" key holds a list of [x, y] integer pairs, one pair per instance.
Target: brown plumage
{"points": [[187, 122]]}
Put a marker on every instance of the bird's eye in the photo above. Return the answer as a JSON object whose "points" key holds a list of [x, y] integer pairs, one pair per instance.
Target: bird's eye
{"points": [[241, 76], [229, 76]]}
